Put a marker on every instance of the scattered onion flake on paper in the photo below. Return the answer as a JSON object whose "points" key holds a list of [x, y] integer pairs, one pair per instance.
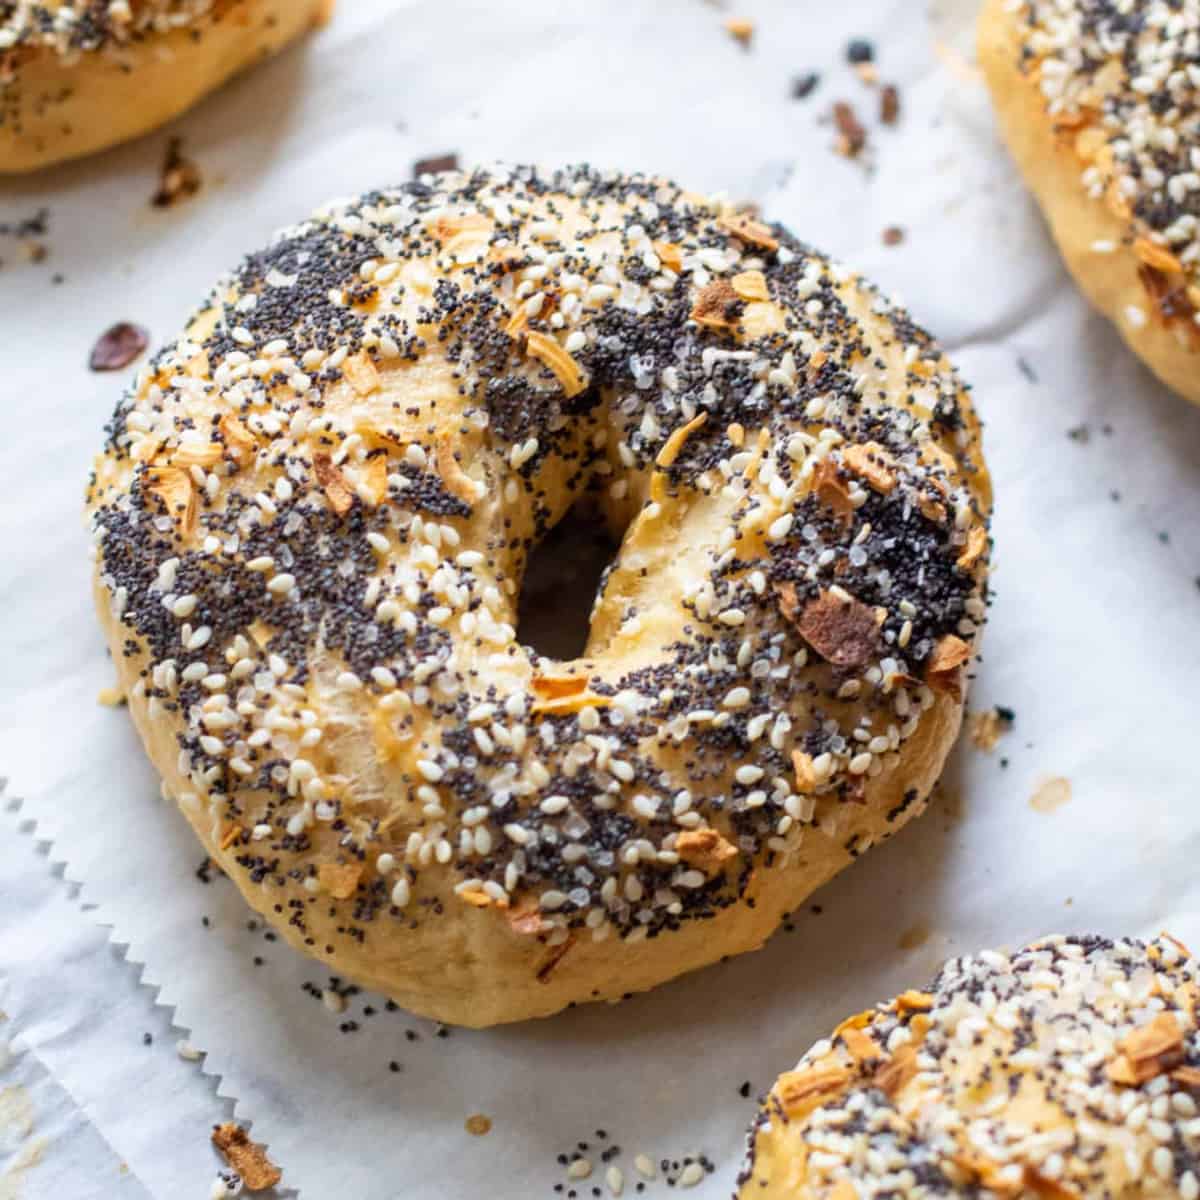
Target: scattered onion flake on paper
{"points": [[23, 1148], [247, 1158], [986, 728], [1051, 794]]}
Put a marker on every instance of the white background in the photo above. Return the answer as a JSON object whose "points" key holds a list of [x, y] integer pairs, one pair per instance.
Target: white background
{"points": [[1093, 639]]}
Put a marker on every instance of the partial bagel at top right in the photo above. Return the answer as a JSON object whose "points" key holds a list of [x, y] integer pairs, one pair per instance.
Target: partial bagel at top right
{"points": [[1099, 102]]}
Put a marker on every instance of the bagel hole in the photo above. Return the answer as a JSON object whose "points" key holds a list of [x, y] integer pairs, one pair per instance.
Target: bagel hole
{"points": [[562, 577]]}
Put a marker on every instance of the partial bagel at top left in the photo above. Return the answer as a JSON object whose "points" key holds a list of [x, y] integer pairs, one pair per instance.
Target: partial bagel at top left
{"points": [[80, 77]]}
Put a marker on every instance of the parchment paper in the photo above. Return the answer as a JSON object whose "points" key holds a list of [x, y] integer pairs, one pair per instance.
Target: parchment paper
{"points": [[1093, 640], [47, 1146], [90, 1074]]}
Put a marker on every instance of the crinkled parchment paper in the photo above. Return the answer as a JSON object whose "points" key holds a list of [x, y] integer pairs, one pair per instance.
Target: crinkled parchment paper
{"points": [[1093, 641], [48, 1148], [91, 1079]]}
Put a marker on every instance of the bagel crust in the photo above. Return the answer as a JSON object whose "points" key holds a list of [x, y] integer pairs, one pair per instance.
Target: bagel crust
{"points": [[1099, 103], [311, 522], [77, 77], [1067, 1071]]}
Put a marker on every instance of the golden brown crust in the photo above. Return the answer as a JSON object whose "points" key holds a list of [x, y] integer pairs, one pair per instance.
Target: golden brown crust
{"points": [[92, 84], [479, 969], [315, 625], [1067, 1070], [1120, 242]]}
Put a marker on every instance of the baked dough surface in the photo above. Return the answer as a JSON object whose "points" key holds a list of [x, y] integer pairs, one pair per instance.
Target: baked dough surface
{"points": [[1099, 102], [313, 514], [79, 77], [1067, 1071]]}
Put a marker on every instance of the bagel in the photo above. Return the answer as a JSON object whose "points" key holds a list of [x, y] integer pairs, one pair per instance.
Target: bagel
{"points": [[1098, 105], [76, 77], [1066, 1071], [311, 521]]}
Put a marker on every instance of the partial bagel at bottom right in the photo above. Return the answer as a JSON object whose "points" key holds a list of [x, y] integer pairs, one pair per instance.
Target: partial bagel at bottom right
{"points": [[1067, 1070]]}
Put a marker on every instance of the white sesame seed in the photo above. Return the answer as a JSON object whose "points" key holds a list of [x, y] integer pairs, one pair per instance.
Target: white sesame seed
{"points": [[389, 612], [522, 453], [383, 677], [644, 1165], [1163, 1162], [645, 806], [517, 833], [780, 527], [199, 638]]}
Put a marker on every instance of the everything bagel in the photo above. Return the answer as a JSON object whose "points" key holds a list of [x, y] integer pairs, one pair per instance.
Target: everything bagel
{"points": [[1066, 1070], [1097, 101], [311, 520], [77, 76]]}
